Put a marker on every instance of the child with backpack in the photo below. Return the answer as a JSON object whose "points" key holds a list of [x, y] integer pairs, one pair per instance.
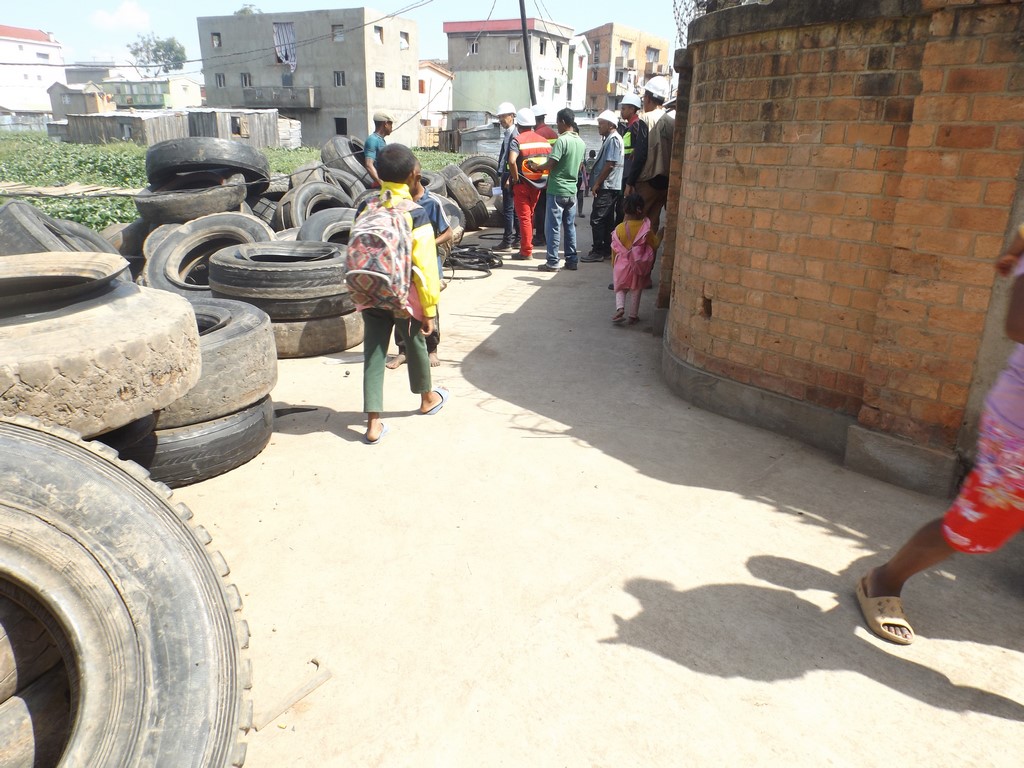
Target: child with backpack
{"points": [[392, 275], [633, 248], [443, 235]]}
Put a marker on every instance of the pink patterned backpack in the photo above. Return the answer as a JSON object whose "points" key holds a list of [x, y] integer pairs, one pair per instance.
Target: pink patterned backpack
{"points": [[378, 266]]}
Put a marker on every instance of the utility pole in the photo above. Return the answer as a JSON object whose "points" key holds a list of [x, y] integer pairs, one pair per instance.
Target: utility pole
{"points": [[526, 51]]}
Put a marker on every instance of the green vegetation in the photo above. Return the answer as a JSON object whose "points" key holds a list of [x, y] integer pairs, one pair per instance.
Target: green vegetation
{"points": [[435, 160], [287, 160], [35, 159]]}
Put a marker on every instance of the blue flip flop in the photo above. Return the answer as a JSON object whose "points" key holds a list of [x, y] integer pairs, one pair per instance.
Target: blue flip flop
{"points": [[380, 437], [444, 399]]}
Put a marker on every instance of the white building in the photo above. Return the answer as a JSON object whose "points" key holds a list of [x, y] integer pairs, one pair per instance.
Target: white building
{"points": [[435, 87], [576, 73], [37, 63]]}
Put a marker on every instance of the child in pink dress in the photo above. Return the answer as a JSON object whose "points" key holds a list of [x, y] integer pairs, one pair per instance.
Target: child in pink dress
{"points": [[633, 248]]}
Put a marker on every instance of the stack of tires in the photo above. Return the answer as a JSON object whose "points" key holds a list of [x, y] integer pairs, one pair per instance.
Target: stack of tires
{"points": [[227, 418], [107, 596], [300, 285], [171, 251]]}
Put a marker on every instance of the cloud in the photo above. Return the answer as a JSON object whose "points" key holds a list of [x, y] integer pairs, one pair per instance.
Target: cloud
{"points": [[128, 15]]}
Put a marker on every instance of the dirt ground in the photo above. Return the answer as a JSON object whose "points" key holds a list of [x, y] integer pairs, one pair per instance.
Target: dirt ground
{"points": [[571, 566]]}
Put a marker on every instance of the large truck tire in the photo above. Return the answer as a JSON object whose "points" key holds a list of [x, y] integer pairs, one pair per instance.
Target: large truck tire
{"points": [[167, 159], [195, 452], [302, 202], [320, 336], [346, 153], [26, 229], [239, 363], [97, 363], [190, 196], [463, 192], [279, 270], [178, 260], [149, 633], [330, 226], [34, 282], [483, 172]]}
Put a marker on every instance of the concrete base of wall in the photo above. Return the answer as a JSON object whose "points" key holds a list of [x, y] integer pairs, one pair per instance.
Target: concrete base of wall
{"points": [[900, 462], [885, 457], [806, 422]]}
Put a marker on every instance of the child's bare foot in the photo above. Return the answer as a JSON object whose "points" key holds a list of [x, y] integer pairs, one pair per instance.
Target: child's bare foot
{"points": [[395, 362], [435, 361], [633, 321]]}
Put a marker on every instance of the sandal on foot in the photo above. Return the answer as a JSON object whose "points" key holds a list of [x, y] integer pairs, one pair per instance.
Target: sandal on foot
{"points": [[881, 611], [633, 321], [444, 399], [384, 430], [619, 316]]}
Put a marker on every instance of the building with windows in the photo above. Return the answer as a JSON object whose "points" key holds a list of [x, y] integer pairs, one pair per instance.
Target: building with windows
{"points": [[34, 62], [329, 69], [169, 92], [488, 60], [621, 61], [78, 99], [435, 89]]}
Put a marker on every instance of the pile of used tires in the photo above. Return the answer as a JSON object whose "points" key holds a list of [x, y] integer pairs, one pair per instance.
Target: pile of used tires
{"points": [[208, 197], [154, 346], [122, 643]]}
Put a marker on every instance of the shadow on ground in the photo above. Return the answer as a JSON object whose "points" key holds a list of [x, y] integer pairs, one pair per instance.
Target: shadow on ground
{"points": [[559, 356], [770, 634]]}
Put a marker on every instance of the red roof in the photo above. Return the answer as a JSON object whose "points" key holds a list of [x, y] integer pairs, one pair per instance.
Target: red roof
{"points": [[20, 33]]}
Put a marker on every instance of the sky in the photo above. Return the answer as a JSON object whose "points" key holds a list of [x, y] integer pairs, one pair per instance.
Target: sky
{"points": [[107, 27]]}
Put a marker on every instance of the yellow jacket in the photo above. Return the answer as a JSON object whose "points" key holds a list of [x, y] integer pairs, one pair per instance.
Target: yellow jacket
{"points": [[424, 251]]}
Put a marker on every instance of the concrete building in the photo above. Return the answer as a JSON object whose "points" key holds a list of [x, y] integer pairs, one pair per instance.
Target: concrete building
{"points": [[35, 61], [578, 72], [329, 69], [82, 72], [621, 60], [435, 89], [488, 61], [78, 99], [168, 92]]}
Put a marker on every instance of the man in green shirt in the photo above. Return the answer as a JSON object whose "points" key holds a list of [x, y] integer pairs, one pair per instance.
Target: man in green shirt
{"points": [[375, 142], [564, 162]]}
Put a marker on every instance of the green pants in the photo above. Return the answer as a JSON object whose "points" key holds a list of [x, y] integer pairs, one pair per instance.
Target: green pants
{"points": [[377, 325]]}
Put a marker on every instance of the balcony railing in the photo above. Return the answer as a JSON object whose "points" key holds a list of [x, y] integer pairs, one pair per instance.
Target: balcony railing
{"points": [[140, 100], [281, 96], [621, 62]]}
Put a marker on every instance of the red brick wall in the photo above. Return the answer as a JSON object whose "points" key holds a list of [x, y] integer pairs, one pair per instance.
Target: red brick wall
{"points": [[845, 189]]}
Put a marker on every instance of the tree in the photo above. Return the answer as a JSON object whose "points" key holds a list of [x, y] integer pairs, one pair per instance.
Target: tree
{"points": [[157, 55], [248, 10]]}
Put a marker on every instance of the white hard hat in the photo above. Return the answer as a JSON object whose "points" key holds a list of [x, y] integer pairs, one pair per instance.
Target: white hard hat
{"points": [[658, 86], [525, 117], [506, 108], [539, 109], [608, 116], [631, 100]]}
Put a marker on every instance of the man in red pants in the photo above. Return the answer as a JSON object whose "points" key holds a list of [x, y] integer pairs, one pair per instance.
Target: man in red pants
{"points": [[527, 155]]}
